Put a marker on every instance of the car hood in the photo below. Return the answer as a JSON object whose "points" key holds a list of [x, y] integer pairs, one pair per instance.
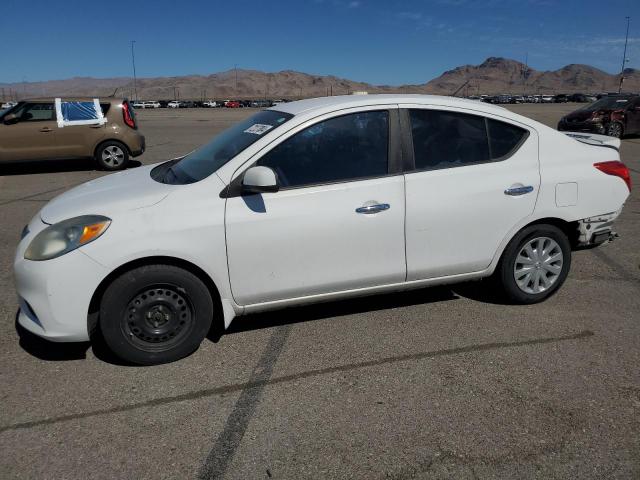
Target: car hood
{"points": [[580, 115], [108, 195]]}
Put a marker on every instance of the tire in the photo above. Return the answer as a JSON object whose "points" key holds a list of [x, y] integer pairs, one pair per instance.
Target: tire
{"points": [[550, 269], [112, 156], [155, 314], [615, 129]]}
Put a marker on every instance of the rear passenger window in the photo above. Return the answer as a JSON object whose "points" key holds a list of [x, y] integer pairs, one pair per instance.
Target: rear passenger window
{"points": [[444, 139], [504, 138], [448, 139]]}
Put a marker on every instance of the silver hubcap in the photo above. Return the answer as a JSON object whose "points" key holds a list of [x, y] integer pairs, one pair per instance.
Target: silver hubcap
{"points": [[614, 130], [538, 265], [113, 156]]}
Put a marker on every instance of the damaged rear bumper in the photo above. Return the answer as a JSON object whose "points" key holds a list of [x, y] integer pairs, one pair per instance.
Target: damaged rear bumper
{"points": [[597, 230]]}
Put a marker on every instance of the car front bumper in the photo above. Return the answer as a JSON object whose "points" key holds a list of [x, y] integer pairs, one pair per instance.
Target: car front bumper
{"points": [[54, 295]]}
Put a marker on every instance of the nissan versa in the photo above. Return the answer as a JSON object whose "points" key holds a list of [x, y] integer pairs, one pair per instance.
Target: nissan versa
{"points": [[312, 201]]}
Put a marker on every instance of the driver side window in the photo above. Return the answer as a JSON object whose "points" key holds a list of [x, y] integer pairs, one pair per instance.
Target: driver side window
{"points": [[343, 148], [35, 112]]}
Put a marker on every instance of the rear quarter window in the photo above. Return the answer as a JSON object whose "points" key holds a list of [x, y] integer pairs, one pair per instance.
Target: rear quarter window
{"points": [[504, 138]]}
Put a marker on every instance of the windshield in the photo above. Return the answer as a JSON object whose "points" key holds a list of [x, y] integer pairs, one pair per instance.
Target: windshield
{"points": [[4, 111], [607, 103], [207, 159]]}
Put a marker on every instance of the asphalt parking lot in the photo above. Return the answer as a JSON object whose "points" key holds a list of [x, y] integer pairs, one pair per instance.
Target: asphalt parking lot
{"points": [[435, 383]]}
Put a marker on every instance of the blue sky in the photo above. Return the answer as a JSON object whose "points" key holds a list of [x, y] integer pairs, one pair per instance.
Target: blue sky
{"points": [[382, 42]]}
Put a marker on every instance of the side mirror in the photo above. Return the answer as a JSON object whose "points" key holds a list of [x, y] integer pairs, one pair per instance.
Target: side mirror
{"points": [[10, 119], [259, 180]]}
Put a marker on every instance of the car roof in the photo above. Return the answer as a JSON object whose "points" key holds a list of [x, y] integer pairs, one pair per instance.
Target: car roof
{"points": [[351, 101], [73, 99]]}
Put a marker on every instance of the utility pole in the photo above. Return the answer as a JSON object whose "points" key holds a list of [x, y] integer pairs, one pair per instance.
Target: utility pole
{"points": [[624, 56], [235, 68], [133, 61], [524, 73]]}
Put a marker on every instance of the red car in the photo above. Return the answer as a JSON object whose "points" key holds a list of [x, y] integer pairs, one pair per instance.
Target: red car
{"points": [[613, 115], [232, 104]]}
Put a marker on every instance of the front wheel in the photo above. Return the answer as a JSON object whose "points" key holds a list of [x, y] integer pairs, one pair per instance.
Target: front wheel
{"points": [[535, 264], [155, 314], [615, 129]]}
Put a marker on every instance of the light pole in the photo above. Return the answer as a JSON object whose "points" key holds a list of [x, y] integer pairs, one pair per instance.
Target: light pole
{"points": [[624, 56], [133, 61], [235, 68]]}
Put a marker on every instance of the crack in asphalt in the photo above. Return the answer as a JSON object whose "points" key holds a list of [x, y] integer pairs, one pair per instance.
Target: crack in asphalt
{"points": [[297, 376], [27, 197], [225, 446]]}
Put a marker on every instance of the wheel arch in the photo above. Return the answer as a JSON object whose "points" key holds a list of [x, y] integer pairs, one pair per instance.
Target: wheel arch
{"points": [[105, 140], [570, 229], [94, 305]]}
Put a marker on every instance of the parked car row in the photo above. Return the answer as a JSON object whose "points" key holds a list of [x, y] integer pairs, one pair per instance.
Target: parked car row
{"points": [[512, 99], [206, 104]]}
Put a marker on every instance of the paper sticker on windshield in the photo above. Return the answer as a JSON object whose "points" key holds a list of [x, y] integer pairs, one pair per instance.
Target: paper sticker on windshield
{"points": [[258, 128]]}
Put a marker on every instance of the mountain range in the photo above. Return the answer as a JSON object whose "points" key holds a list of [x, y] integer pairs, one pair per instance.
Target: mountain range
{"points": [[495, 75]]}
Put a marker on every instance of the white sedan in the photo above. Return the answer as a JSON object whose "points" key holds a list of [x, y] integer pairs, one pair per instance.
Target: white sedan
{"points": [[313, 201]]}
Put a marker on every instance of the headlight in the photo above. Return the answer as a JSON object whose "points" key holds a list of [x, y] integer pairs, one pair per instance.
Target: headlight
{"points": [[65, 236]]}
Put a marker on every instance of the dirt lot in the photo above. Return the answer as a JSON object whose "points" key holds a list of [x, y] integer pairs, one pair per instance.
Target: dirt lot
{"points": [[437, 383]]}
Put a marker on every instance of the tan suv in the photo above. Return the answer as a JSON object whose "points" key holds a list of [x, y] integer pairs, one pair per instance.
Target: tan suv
{"points": [[34, 130]]}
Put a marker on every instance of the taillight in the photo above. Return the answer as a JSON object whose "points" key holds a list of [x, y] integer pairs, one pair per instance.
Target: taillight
{"points": [[615, 168], [126, 114]]}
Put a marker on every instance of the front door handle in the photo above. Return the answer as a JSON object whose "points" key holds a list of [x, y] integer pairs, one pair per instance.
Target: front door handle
{"points": [[46, 130], [369, 209], [516, 191]]}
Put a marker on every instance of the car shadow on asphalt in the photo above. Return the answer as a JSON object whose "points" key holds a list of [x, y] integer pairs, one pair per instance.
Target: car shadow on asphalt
{"points": [[52, 166], [478, 291], [50, 351], [339, 308]]}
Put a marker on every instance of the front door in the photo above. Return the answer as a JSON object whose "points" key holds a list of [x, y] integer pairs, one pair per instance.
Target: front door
{"points": [[475, 179], [337, 222], [633, 118], [33, 137]]}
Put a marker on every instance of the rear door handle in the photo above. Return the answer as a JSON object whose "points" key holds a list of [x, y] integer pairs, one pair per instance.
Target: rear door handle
{"points": [[517, 191], [46, 129], [369, 209], [96, 126]]}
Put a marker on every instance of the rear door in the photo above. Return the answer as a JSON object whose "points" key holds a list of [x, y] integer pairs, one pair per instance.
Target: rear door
{"points": [[33, 137], [337, 222], [81, 140], [474, 179]]}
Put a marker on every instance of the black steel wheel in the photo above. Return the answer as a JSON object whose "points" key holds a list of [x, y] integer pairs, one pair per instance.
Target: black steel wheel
{"points": [[157, 318], [155, 314]]}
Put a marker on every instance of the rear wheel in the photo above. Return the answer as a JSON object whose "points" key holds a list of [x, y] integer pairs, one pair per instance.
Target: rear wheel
{"points": [[155, 314], [535, 264], [615, 129], [112, 156]]}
